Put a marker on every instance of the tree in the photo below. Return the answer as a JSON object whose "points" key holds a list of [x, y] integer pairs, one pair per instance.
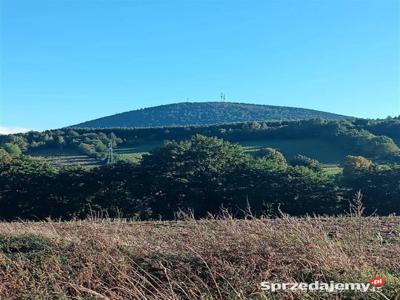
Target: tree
{"points": [[352, 165], [273, 155], [87, 148], [99, 146], [190, 174], [380, 187], [25, 188], [4, 156], [60, 141], [304, 161], [12, 149]]}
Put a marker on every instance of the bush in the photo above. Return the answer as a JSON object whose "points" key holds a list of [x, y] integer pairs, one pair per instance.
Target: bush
{"points": [[4, 156], [352, 165], [12, 149], [304, 161], [380, 187], [273, 155]]}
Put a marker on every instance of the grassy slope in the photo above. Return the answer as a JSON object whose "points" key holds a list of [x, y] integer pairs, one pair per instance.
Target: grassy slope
{"points": [[327, 153], [135, 153], [207, 259], [62, 157], [324, 151]]}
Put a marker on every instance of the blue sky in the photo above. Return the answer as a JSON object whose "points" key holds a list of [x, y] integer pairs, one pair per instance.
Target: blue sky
{"points": [[68, 61]]}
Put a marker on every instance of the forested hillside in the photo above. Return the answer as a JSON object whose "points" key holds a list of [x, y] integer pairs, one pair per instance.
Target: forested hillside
{"points": [[201, 168], [201, 175], [205, 113], [330, 141]]}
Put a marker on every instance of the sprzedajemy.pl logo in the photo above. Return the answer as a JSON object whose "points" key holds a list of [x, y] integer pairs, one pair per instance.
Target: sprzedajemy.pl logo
{"points": [[374, 284]]}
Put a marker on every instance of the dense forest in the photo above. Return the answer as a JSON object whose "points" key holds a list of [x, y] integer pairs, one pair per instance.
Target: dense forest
{"points": [[374, 139], [205, 113], [201, 169], [201, 175]]}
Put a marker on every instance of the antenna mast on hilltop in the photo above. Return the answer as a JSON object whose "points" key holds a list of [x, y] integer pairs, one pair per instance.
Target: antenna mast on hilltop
{"points": [[223, 97]]}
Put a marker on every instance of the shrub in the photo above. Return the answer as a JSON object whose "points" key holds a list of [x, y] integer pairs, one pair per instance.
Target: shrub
{"points": [[273, 155], [304, 161], [12, 149]]}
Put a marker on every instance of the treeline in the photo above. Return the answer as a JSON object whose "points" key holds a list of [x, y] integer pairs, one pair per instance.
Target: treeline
{"points": [[369, 138], [389, 127], [93, 144], [201, 175]]}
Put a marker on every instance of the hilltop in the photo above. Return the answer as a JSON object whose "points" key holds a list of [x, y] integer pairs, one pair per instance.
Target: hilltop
{"points": [[205, 113]]}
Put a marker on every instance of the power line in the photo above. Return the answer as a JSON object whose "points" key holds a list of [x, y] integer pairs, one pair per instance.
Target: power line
{"points": [[110, 156]]}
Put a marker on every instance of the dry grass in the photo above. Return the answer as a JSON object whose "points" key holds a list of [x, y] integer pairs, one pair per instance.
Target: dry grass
{"points": [[207, 259]]}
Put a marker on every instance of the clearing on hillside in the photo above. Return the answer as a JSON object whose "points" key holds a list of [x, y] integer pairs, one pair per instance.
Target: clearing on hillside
{"points": [[134, 153], [324, 151], [63, 157]]}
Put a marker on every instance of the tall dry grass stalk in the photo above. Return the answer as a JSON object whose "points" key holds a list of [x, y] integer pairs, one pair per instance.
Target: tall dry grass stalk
{"points": [[216, 258]]}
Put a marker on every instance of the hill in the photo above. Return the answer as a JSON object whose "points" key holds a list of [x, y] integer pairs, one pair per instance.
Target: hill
{"points": [[205, 113]]}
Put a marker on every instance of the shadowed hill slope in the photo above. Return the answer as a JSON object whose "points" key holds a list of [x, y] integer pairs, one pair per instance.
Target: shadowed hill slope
{"points": [[205, 113]]}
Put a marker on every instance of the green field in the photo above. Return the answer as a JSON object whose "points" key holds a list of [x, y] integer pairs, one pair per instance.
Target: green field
{"points": [[62, 157], [329, 154], [135, 153], [324, 151]]}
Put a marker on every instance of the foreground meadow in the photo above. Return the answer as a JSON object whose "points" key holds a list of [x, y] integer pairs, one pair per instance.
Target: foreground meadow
{"points": [[216, 258]]}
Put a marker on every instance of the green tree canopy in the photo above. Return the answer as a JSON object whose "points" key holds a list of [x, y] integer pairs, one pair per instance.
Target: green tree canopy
{"points": [[273, 155], [12, 149], [354, 164], [190, 173], [304, 161]]}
